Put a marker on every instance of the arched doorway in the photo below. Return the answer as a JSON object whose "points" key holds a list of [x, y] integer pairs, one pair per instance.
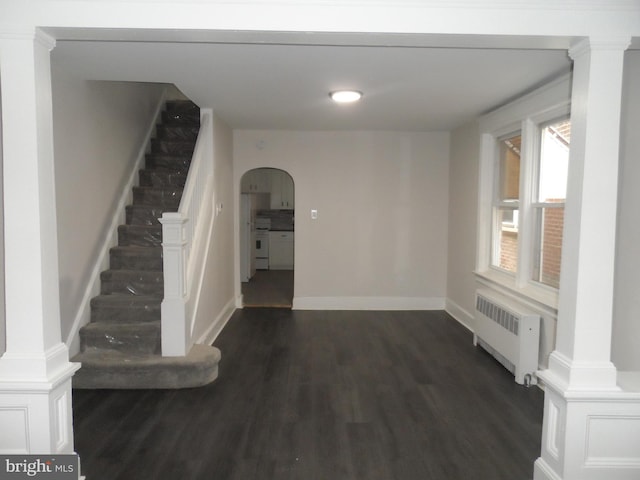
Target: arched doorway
{"points": [[267, 238]]}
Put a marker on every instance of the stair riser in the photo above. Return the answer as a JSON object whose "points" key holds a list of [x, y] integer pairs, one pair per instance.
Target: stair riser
{"points": [[180, 118], [131, 287], [141, 339], [174, 164], [139, 236], [133, 278], [131, 314], [156, 178], [198, 368], [182, 133], [167, 198], [143, 215], [171, 147], [184, 106], [124, 261]]}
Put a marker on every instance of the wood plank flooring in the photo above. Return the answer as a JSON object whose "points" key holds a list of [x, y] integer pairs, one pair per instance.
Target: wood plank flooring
{"points": [[323, 395], [269, 288]]}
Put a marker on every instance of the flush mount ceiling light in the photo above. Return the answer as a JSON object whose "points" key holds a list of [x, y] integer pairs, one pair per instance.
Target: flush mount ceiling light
{"points": [[345, 96]]}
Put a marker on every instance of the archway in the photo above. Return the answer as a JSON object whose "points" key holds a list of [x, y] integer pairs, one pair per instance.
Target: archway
{"points": [[267, 238]]}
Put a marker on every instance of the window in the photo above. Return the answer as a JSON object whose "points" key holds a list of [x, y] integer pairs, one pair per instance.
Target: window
{"points": [[524, 166], [506, 204], [523, 184], [550, 193], [544, 173]]}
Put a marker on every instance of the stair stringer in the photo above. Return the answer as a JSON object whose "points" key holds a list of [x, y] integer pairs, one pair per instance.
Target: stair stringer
{"points": [[191, 309], [83, 313], [202, 328], [198, 259]]}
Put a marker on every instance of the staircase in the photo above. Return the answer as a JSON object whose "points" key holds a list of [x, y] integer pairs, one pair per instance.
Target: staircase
{"points": [[120, 347]]}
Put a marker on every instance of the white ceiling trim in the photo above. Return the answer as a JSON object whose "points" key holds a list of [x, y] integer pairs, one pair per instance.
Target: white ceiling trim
{"points": [[567, 18]]}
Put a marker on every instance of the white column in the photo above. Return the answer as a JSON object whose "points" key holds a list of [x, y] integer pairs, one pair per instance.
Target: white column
{"points": [[35, 372], [590, 426], [582, 358]]}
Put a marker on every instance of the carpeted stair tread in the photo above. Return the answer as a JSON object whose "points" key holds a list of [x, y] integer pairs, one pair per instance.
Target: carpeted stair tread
{"points": [[125, 308], [109, 369], [132, 282]]}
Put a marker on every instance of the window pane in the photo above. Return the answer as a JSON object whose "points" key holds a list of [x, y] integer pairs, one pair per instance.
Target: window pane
{"points": [[509, 181], [505, 239], [548, 251], [554, 162]]}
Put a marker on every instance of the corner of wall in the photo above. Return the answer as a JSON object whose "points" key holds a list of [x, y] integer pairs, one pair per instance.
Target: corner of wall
{"points": [[462, 316]]}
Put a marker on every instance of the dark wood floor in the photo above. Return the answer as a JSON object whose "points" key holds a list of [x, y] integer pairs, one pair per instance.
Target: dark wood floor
{"points": [[323, 395], [269, 288]]}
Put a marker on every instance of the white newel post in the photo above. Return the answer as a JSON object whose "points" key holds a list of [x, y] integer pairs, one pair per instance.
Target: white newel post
{"points": [[591, 426], [175, 329], [35, 372]]}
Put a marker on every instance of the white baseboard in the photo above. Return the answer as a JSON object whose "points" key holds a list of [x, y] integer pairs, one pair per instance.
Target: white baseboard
{"points": [[542, 471], [216, 327], [368, 303], [83, 313], [460, 314]]}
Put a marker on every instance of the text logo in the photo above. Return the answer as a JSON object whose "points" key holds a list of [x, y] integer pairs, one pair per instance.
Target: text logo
{"points": [[51, 467]]}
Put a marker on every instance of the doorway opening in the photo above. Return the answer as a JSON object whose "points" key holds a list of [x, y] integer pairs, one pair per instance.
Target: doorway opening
{"points": [[267, 238]]}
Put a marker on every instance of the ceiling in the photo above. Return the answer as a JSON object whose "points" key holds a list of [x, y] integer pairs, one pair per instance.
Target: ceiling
{"points": [[280, 82]]}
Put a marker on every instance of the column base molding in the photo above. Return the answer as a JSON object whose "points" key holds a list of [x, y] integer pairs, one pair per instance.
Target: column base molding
{"points": [[35, 411], [588, 435]]}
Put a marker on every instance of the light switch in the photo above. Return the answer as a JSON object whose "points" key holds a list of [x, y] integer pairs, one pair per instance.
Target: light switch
{"points": [[314, 214]]}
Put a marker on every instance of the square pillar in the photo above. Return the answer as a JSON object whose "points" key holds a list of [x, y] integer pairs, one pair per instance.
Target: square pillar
{"points": [[591, 425], [35, 372], [582, 357]]}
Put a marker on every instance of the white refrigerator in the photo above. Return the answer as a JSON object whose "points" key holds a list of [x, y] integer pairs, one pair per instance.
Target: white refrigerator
{"points": [[248, 208]]}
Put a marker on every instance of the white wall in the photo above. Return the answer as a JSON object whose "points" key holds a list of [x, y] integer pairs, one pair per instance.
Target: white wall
{"points": [[463, 215], [3, 325], [217, 301], [380, 240], [626, 320], [98, 130]]}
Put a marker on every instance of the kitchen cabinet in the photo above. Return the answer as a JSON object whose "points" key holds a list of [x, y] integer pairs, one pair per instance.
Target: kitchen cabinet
{"points": [[281, 250], [281, 190], [256, 181]]}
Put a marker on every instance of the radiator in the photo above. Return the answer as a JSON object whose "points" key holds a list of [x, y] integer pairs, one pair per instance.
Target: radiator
{"points": [[509, 333]]}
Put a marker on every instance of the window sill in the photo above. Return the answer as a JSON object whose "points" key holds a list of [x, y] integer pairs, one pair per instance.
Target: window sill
{"points": [[540, 296]]}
